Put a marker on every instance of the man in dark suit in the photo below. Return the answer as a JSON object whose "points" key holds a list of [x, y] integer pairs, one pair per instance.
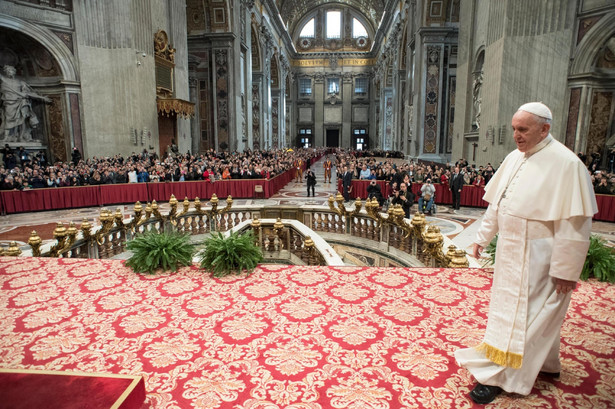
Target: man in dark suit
{"points": [[456, 185], [347, 183]]}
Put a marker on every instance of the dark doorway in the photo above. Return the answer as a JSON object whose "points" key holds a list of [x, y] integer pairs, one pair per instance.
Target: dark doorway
{"points": [[166, 132], [333, 137]]}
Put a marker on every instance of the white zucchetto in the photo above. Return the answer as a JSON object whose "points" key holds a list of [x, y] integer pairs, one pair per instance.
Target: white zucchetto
{"points": [[537, 108]]}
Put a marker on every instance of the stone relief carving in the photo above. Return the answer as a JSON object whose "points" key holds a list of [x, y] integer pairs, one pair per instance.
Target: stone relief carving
{"points": [[256, 111], [275, 121], [288, 136], [17, 118], [388, 123], [333, 61], [56, 122], [410, 115], [244, 125]]}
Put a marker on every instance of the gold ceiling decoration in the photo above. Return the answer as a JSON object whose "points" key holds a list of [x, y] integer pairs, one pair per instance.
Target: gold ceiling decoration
{"points": [[179, 107]]}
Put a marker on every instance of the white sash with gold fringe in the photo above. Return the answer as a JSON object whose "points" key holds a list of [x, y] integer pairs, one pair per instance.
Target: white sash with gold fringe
{"points": [[505, 335]]}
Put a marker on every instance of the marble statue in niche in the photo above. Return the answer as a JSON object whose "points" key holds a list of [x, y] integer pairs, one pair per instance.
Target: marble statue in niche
{"points": [[17, 118], [477, 100]]}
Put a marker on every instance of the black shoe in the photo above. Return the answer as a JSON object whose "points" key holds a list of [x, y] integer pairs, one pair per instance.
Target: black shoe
{"points": [[549, 374], [483, 394]]}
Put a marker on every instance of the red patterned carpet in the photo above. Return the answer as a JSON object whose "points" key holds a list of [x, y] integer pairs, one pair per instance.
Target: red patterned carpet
{"points": [[285, 337]]}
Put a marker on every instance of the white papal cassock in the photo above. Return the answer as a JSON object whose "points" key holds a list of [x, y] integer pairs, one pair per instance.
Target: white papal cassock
{"points": [[541, 203]]}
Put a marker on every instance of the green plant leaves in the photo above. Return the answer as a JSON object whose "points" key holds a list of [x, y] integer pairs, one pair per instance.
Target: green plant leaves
{"points": [[169, 250], [490, 250], [153, 250], [230, 255], [600, 261]]}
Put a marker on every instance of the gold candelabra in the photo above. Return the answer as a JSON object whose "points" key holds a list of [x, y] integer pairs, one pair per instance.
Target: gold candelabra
{"points": [[140, 220], [278, 228], [395, 216], [433, 241], [35, 243], [256, 226], [13, 250], [186, 204], [341, 210], [213, 211], [431, 237], [106, 220], [309, 249]]}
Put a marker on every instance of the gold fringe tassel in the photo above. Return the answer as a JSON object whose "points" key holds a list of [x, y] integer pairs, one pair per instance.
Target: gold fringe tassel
{"points": [[500, 357]]}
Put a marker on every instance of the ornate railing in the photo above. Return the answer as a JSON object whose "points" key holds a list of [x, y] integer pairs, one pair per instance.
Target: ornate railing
{"points": [[277, 238], [415, 237]]}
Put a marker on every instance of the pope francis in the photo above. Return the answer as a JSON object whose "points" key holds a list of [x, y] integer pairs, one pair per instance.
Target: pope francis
{"points": [[541, 203]]}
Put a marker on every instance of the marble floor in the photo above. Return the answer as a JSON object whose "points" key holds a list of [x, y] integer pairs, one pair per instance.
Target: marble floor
{"points": [[460, 227]]}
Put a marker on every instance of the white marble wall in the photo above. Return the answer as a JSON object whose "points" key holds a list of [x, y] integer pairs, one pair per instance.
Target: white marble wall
{"points": [[117, 81], [527, 46]]}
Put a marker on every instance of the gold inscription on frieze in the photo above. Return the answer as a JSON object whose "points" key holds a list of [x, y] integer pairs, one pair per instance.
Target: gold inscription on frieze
{"points": [[324, 62], [359, 61], [321, 62]]}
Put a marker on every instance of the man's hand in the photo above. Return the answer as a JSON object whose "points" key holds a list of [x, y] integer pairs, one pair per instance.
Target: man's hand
{"points": [[477, 250], [563, 286]]}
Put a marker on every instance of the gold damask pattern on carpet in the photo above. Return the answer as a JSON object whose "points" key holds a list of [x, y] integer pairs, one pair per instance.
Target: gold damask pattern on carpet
{"points": [[285, 337]]}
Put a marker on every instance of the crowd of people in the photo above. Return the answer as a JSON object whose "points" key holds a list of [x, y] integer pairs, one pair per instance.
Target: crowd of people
{"points": [[368, 167], [603, 179], [21, 170], [401, 175]]}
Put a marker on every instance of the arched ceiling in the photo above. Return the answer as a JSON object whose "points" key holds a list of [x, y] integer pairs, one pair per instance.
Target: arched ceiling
{"points": [[293, 10]]}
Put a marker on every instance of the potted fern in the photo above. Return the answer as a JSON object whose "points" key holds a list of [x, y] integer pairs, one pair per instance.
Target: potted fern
{"points": [[234, 254], [600, 261], [166, 250]]}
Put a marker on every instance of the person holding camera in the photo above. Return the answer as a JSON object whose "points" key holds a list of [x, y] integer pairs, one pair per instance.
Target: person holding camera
{"points": [[311, 181], [428, 192], [405, 198], [374, 190]]}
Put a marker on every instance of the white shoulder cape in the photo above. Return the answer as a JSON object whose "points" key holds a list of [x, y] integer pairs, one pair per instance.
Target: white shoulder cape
{"points": [[553, 185]]}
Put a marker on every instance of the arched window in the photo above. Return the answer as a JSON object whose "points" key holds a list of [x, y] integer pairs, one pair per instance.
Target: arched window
{"points": [[333, 28], [308, 30], [358, 29], [334, 24]]}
